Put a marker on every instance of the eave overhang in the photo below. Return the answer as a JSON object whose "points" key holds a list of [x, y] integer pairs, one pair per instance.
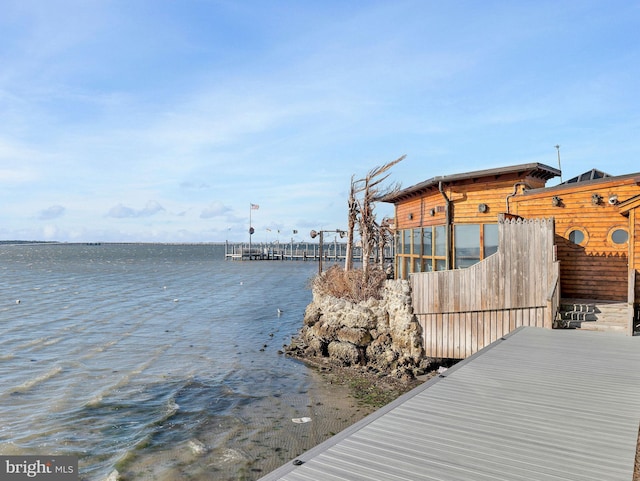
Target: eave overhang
{"points": [[532, 170]]}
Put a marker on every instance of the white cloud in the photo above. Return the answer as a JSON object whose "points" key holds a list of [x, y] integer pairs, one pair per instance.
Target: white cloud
{"points": [[52, 212], [121, 211], [217, 209]]}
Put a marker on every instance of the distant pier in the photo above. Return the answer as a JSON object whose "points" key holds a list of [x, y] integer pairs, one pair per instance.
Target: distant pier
{"points": [[335, 251]]}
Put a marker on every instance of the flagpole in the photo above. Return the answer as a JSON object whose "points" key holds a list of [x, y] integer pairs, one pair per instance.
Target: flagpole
{"points": [[251, 230]]}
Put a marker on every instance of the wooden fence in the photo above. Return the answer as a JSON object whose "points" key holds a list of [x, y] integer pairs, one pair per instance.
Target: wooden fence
{"points": [[463, 310]]}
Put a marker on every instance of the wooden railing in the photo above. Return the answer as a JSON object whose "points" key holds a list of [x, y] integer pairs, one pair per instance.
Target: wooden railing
{"points": [[463, 310]]}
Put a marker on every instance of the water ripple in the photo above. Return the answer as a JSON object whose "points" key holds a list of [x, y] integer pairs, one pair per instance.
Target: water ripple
{"points": [[117, 352]]}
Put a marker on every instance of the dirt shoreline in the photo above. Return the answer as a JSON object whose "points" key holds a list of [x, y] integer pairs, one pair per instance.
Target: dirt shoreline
{"points": [[370, 388]]}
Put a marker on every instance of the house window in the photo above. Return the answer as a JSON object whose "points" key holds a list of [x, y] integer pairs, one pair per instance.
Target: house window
{"points": [[489, 240], [420, 250], [440, 241], [474, 242], [467, 245], [577, 236], [417, 264], [417, 242], [425, 249], [619, 237], [427, 245], [406, 242]]}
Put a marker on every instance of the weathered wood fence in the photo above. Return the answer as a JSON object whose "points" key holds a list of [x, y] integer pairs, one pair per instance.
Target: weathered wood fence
{"points": [[461, 311]]}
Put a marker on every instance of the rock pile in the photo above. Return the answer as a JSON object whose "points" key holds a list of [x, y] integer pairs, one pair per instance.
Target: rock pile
{"points": [[381, 334]]}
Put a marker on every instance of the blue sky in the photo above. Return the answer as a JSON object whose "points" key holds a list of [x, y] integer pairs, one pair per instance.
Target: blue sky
{"points": [[152, 120]]}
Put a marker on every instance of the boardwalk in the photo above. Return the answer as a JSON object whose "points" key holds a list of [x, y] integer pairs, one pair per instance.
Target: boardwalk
{"points": [[536, 405]]}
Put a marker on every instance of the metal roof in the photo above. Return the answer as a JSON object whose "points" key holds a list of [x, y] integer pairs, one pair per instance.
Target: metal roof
{"points": [[586, 183], [536, 405], [536, 170], [593, 174]]}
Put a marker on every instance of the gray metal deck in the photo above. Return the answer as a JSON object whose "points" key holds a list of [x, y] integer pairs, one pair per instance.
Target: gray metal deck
{"points": [[536, 405]]}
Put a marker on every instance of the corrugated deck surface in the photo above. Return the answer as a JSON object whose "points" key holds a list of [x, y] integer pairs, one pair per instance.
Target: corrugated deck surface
{"points": [[536, 405]]}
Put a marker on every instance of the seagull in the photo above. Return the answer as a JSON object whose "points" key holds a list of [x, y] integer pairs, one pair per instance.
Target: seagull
{"points": [[279, 311], [17, 301]]}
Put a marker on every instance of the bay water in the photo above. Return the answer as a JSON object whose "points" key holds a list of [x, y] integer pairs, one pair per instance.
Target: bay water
{"points": [[158, 361]]}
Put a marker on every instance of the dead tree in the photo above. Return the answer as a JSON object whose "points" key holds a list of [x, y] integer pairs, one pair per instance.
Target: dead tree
{"points": [[373, 191], [352, 221], [385, 236]]}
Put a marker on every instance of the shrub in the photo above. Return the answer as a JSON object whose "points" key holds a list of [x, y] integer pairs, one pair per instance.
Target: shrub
{"points": [[349, 285]]}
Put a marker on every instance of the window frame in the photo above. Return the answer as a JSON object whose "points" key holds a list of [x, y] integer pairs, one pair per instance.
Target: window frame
{"points": [[418, 259], [612, 231], [582, 230]]}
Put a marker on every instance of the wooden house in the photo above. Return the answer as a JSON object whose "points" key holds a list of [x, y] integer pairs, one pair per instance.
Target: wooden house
{"points": [[565, 256]]}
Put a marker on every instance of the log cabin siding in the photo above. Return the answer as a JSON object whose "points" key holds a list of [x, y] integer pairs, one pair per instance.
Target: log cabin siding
{"points": [[597, 268], [465, 197], [630, 209], [468, 196], [419, 209], [633, 289], [633, 234]]}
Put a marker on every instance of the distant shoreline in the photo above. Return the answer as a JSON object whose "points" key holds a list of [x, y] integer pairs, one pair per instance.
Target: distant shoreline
{"points": [[141, 243]]}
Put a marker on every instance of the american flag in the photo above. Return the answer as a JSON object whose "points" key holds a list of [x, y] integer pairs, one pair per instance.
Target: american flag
{"points": [[255, 206]]}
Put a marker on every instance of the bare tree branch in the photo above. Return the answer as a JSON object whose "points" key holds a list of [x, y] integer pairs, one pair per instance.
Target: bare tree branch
{"points": [[370, 186]]}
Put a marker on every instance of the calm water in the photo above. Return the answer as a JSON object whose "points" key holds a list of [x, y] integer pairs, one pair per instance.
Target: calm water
{"points": [[160, 361]]}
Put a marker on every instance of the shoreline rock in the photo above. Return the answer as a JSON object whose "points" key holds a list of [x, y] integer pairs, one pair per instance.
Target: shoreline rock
{"points": [[382, 335]]}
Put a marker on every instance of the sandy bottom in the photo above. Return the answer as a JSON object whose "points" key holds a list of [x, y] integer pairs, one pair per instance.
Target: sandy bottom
{"points": [[263, 435]]}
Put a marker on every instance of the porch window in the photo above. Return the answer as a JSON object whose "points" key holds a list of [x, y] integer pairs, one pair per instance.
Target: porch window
{"points": [[467, 245], [417, 264], [440, 241], [425, 249], [417, 242], [406, 242], [489, 240], [427, 245]]}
